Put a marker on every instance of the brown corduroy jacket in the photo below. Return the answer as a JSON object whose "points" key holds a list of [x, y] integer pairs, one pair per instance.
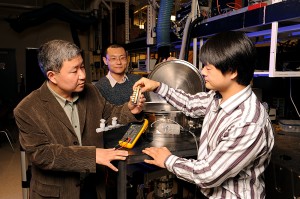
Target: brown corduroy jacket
{"points": [[50, 142]]}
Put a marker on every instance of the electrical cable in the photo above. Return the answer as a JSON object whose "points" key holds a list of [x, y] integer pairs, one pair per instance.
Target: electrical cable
{"points": [[127, 140], [292, 98], [184, 37], [195, 138], [234, 6], [181, 128], [188, 40], [218, 7]]}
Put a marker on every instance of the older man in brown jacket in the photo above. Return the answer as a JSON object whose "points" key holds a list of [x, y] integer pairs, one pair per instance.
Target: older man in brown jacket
{"points": [[57, 125]]}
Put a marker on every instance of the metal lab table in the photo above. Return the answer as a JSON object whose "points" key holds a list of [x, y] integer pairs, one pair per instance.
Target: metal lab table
{"points": [[182, 145]]}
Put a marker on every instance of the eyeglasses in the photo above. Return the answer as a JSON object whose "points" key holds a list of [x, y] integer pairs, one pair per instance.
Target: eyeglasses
{"points": [[115, 59]]}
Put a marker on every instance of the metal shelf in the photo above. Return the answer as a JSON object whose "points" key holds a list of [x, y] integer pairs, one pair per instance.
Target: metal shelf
{"points": [[278, 20]]}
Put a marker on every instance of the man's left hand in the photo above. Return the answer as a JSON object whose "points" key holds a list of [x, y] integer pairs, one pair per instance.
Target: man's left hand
{"points": [[159, 155], [138, 107]]}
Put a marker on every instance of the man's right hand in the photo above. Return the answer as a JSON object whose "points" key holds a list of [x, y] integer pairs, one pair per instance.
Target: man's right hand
{"points": [[169, 59], [146, 84], [105, 156]]}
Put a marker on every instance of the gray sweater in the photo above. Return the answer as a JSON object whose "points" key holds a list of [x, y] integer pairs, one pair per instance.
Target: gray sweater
{"points": [[120, 93]]}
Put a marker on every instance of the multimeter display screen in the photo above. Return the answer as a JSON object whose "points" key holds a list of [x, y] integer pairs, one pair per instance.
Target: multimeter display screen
{"points": [[133, 131]]}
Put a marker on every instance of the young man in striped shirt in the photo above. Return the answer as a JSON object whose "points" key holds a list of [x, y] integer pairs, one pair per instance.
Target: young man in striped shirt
{"points": [[237, 136]]}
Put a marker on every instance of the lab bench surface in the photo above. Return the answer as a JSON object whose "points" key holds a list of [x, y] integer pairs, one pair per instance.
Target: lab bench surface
{"points": [[284, 165], [182, 145]]}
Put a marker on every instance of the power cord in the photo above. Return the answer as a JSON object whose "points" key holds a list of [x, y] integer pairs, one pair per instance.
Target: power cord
{"points": [[195, 138], [292, 98], [181, 128]]}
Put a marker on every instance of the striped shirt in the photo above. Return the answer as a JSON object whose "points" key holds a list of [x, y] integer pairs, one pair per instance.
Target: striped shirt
{"points": [[235, 143]]}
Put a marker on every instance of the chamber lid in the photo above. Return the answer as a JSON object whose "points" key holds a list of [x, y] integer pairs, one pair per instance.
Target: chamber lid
{"points": [[178, 74]]}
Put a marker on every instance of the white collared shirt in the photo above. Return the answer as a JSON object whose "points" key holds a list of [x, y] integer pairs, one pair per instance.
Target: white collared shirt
{"points": [[113, 82]]}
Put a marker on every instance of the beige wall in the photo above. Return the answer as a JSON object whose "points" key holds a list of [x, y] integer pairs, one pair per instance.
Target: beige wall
{"points": [[33, 37]]}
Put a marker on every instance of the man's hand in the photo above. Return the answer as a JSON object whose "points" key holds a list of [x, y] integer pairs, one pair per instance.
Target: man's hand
{"points": [[146, 84], [138, 107], [169, 59], [105, 156], [159, 155]]}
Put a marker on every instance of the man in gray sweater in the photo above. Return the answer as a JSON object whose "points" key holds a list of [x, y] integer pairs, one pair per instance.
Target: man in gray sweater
{"points": [[116, 86]]}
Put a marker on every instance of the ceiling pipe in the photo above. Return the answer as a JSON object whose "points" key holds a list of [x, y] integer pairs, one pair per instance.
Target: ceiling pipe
{"points": [[95, 6]]}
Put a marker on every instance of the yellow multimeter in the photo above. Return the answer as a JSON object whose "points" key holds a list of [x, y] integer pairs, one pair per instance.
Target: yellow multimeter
{"points": [[133, 134]]}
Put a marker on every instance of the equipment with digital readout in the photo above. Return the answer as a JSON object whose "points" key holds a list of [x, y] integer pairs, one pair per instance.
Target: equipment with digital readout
{"points": [[133, 134]]}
